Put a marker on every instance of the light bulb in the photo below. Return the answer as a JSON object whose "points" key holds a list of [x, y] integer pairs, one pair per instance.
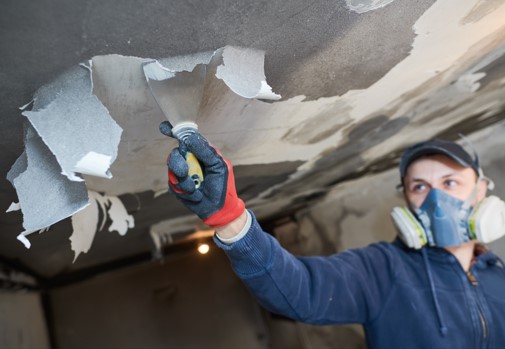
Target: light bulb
{"points": [[203, 248]]}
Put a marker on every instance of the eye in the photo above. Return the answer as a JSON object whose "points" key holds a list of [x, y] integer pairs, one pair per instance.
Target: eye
{"points": [[450, 183], [419, 187]]}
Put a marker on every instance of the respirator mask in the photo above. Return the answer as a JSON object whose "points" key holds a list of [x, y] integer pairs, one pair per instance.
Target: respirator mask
{"points": [[443, 220]]}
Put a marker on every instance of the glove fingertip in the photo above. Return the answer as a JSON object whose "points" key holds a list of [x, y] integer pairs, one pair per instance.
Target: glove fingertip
{"points": [[187, 185], [177, 164], [166, 128]]}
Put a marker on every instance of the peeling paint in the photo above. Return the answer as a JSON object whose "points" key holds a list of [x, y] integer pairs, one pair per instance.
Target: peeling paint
{"points": [[337, 137], [68, 130], [247, 130], [362, 6], [84, 226], [45, 195], [85, 223], [243, 71], [75, 125], [121, 220], [13, 207]]}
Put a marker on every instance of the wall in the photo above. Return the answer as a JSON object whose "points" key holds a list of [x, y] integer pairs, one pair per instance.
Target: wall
{"points": [[22, 323], [189, 301]]}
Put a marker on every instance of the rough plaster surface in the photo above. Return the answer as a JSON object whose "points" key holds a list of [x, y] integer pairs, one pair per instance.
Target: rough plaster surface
{"points": [[354, 96]]}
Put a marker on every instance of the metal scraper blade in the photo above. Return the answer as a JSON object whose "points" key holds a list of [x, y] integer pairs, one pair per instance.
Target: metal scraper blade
{"points": [[179, 94]]}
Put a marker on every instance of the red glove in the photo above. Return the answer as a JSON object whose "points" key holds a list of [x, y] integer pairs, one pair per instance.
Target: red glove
{"points": [[215, 201]]}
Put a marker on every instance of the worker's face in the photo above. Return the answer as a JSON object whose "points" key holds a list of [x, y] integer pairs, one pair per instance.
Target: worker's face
{"points": [[443, 173]]}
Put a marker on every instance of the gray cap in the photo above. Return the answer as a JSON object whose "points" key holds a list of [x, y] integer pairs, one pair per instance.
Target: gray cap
{"points": [[438, 146]]}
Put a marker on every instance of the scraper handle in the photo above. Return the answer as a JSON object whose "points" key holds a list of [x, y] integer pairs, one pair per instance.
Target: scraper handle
{"points": [[194, 169], [181, 132]]}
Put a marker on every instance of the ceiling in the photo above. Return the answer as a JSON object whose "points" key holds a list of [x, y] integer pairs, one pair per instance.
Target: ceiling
{"points": [[359, 80]]}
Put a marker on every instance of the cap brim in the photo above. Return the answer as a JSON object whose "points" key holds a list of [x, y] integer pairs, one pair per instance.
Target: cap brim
{"points": [[428, 150]]}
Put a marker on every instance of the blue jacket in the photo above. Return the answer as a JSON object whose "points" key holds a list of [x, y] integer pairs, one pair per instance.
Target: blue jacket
{"points": [[404, 298]]}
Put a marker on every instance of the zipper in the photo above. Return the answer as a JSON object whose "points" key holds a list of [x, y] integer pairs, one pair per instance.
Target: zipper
{"points": [[474, 282], [472, 278], [483, 321]]}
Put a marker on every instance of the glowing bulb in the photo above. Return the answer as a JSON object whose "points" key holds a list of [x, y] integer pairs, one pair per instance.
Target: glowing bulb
{"points": [[203, 248]]}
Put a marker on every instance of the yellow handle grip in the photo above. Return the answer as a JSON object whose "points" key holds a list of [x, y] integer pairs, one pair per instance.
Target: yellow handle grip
{"points": [[194, 169]]}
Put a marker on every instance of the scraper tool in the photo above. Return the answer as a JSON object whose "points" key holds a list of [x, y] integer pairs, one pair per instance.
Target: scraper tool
{"points": [[179, 95]]}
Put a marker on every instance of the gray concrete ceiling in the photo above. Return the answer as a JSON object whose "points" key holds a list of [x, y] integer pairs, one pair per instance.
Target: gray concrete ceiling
{"points": [[359, 81]]}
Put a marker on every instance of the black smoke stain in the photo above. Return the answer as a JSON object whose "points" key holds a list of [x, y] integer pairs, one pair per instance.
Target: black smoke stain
{"points": [[251, 180], [345, 162], [362, 137]]}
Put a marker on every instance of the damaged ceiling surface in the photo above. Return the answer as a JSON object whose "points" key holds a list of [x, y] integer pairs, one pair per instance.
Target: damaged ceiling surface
{"points": [[299, 96]]}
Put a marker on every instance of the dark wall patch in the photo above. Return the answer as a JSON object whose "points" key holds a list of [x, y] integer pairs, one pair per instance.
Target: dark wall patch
{"points": [[320, 127], [345, 162], [251, 180]]}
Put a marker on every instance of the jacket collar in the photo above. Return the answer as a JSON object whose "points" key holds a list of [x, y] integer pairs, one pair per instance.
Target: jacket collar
{"points": [[483, 255]]}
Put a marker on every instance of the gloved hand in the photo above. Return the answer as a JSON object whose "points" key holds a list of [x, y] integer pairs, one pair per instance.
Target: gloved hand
{"points": [[215, 201]]}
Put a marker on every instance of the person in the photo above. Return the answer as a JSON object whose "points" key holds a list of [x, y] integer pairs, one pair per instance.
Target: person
{"points": [[435, 286]]}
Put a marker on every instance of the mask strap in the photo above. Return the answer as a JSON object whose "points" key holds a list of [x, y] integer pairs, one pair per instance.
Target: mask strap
{"points": [[490, 183], [468, 202], [469, 144]]}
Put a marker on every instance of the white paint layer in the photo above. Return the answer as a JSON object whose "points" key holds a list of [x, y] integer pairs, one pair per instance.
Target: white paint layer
{"points": [[94, 164], [243, 71], [22, 238], [362, 6], [121, 220], [14, 206], [86, 224]]}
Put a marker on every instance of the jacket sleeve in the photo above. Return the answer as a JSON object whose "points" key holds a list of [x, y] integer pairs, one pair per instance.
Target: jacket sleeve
{"points": [[347, 287]]}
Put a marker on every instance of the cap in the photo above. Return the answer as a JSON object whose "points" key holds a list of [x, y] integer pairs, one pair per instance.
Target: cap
{"points": [[438, 146]]}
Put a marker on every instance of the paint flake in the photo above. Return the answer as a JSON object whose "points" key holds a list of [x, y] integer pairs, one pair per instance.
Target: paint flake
{"points": [[243, 71], [121, 220], [74, 124], [45, 195], [13, 207], [86, 223], [69, 132]]}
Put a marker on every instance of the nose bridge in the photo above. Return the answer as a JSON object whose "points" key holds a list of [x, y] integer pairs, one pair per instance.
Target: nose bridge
{"points": [[436, 185]]}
